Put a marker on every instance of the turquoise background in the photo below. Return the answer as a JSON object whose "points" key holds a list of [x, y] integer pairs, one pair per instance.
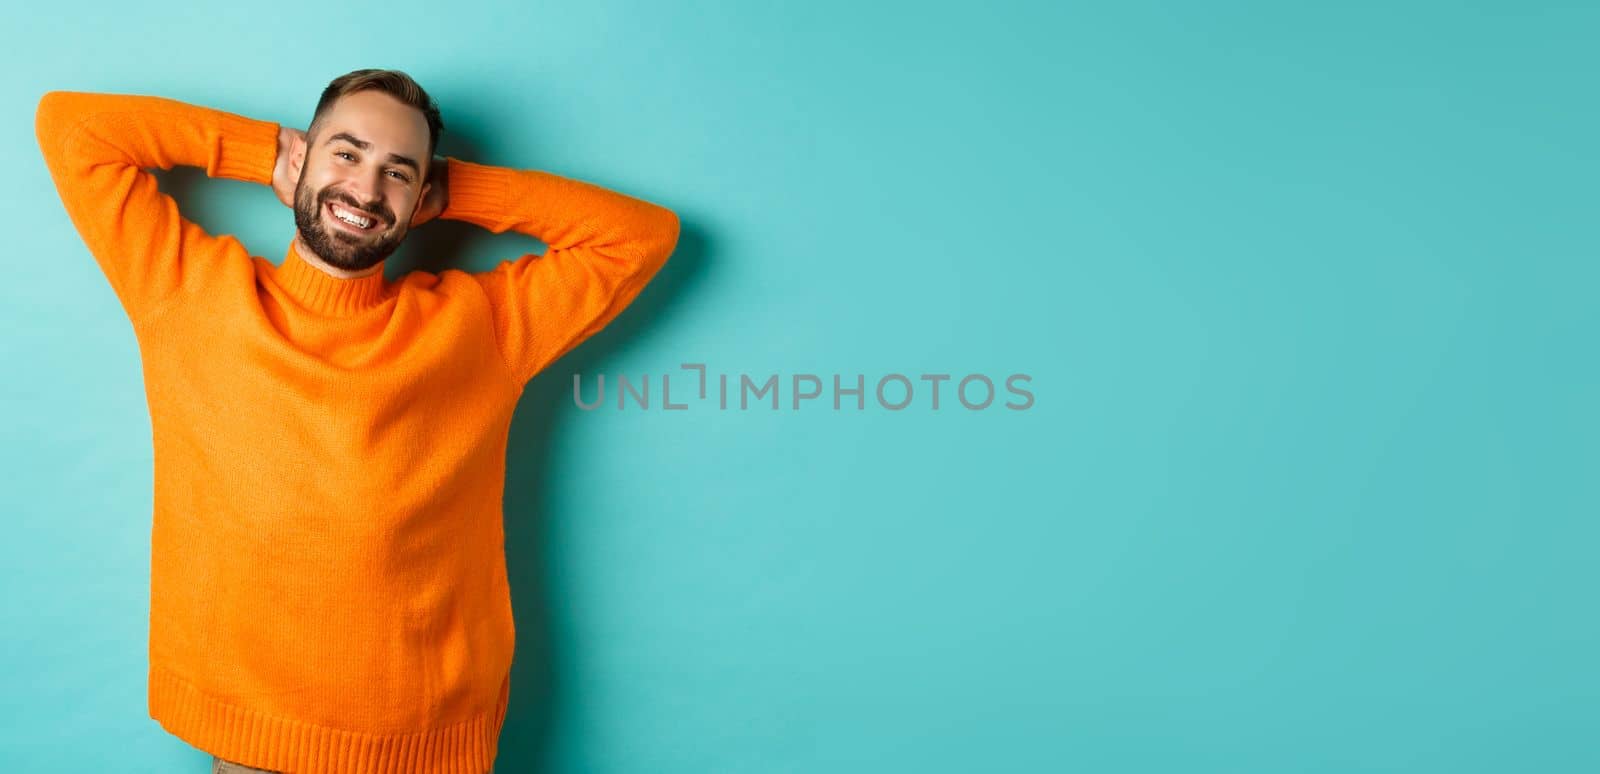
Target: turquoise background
{"points": [[1307, 292]]}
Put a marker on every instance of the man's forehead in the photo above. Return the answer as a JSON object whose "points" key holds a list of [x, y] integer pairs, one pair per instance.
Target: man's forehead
{"points": [[377, 119]]}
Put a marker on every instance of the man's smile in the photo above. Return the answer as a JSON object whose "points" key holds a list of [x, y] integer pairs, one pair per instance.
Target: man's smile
{"points": [[353, 220]]}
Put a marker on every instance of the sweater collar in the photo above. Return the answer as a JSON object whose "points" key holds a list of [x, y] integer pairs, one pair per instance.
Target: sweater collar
{"points": [[326, 294]]}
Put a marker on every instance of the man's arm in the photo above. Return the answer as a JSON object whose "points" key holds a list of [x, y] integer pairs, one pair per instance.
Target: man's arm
{"points": [[98, 148], [604, 247]]}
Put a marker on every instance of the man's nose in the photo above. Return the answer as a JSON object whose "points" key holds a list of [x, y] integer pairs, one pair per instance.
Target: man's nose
{"points": [[366, 189]]}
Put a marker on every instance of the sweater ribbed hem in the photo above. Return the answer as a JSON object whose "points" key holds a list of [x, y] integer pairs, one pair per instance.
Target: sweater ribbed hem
{"points": [[243, 735]]}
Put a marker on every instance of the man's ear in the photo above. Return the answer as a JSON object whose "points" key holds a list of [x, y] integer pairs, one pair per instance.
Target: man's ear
{"points": [[422, 199], [297, 155]]}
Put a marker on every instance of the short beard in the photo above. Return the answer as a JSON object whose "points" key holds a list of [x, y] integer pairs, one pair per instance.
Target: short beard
{"points": [[342, 250]]}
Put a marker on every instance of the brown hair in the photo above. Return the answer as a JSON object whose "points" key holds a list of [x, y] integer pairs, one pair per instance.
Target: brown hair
{"points": [[392, 82]]}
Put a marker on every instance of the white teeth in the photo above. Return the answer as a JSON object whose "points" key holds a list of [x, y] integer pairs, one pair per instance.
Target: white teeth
{"points": [[352, 219]]}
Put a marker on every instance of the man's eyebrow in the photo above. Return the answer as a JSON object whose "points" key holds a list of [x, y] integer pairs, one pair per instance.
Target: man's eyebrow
{"points": [[364, 145]]}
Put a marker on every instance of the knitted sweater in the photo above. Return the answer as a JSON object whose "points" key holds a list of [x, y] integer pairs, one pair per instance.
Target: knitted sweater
{"points": [[328, 587]]}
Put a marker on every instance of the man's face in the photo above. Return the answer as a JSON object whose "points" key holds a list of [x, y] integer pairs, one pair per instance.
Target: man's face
{"points": [[366, 162]]}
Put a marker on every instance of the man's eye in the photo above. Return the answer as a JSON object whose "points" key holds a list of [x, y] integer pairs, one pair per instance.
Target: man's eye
{"points": [[399, 176], [345, 154]]}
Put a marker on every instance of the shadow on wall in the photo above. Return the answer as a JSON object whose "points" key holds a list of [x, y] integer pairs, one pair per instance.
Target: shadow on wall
{"points": [[537, 695]]}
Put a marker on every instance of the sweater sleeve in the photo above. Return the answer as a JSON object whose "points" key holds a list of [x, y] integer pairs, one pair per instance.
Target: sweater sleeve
{"points": [[603, 247], [98, 148]]}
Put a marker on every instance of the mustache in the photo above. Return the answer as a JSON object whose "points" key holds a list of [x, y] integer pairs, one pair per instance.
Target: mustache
{"points": [[375, 208]]}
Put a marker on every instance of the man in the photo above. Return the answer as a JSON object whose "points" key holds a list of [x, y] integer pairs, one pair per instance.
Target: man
{"points": [[328, 581]]}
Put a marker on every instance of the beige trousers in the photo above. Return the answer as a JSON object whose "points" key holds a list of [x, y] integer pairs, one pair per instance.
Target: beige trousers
{"points": [[220, 766]]}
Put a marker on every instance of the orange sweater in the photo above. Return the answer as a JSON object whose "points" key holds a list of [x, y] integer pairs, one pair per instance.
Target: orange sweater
{"points": [[328, 584]]}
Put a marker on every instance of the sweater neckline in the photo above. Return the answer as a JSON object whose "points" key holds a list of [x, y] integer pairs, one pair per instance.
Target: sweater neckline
{"points": [[326, 294]]}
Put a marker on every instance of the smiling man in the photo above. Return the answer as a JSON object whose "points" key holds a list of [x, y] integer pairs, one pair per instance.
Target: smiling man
{"points": [[346, 216], [328, 580]]}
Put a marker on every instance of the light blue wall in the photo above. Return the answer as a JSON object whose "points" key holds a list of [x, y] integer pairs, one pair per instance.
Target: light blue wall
{"points": [[1307, 295]]}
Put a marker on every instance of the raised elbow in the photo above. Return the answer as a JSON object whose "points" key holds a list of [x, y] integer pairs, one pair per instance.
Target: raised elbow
{"points": [[49, 117], [656, 237], [668, 232]]}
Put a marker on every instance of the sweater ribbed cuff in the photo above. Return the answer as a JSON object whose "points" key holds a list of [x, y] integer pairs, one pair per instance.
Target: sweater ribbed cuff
{"points": [[477, 193], [247, 149]]}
